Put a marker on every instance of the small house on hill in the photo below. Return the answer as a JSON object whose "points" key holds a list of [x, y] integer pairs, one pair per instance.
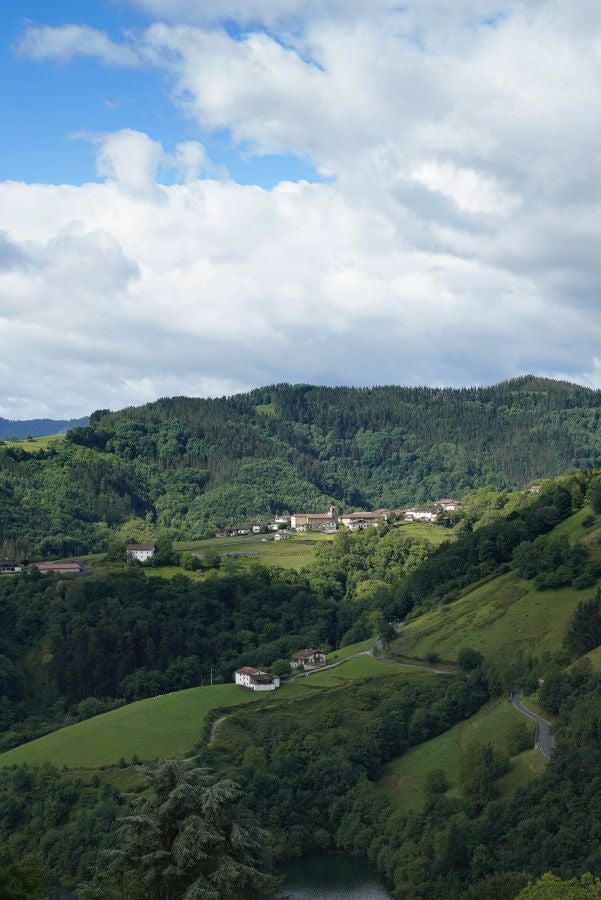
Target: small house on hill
{"points": [[308, 659], [281, 536], [449, 505], [141, 552], [255, 680], [422, 514], [10, 567]]}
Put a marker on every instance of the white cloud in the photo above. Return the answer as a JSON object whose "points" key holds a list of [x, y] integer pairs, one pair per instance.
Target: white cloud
{"points": [[63, 43], [457, 241], [131, 159]]}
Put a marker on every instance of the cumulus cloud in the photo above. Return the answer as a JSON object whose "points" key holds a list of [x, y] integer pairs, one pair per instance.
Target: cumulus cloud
{"points": [[63, 43], [456, 242]]}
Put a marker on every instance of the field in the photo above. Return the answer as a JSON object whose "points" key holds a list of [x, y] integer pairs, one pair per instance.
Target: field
{"points": [[504, 614], [295, 553], [403, 779], [151, 729], [40, 443], [345, 652], [429, 534], [359, 668]]}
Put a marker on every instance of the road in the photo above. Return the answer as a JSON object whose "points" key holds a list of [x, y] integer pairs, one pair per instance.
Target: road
{"points": [[544, 730]]}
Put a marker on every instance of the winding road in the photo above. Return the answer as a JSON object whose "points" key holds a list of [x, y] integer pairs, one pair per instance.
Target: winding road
{"points": [[544, 730]]}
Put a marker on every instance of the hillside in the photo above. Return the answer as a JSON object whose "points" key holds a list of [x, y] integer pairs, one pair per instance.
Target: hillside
{"points": [[15, 429], [190, 465], [171, 724], [504, 615], [403, 779]]}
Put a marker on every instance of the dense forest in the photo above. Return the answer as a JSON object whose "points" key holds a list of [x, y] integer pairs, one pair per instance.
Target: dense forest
{"points": [[189, 464], [72, 649]]}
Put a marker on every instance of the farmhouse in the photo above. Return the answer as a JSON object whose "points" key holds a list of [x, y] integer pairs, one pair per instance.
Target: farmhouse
{"points": [[69, 568], [364, 519], [422, 514], [449, 505], [141, 552], [256, 680], [10, 567], [308, 659], [281, 536], [314, 521]]}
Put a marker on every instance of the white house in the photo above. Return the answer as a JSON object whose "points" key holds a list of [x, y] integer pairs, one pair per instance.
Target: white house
{"points": [[141, 552], [255, 680], [10, 567], [449, 505], [281, 536], [422, 514]]}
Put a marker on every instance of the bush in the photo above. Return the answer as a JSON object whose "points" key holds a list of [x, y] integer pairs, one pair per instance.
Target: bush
{"points": [[588, 521], [436, 782]]}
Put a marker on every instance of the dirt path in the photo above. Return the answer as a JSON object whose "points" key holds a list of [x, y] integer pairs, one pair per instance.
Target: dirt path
{"points": [[213, 731]]}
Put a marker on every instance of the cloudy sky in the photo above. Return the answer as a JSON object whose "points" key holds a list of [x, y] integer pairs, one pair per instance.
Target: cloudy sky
{"points": [[202, 196]]}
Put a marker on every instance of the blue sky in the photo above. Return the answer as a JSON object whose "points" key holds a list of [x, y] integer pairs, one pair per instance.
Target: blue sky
{"points": [[46, 106]]}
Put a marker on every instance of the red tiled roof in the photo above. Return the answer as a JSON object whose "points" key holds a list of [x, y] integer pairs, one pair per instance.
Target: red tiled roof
{"points": [[59, 567], [247, 670]]}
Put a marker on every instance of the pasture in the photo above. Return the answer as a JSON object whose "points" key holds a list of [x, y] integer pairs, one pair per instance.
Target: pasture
{"points": [[404, 778]]}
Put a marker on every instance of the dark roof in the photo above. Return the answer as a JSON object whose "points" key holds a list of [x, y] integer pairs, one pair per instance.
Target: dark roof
{"points": [[140, 547]]}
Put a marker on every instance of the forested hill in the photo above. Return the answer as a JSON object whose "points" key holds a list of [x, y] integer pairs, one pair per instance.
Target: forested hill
{"points": [[187, 464], [15, 428]]}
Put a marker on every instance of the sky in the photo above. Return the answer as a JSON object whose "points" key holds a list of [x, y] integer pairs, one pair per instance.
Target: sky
{"points": [[203, 196]]}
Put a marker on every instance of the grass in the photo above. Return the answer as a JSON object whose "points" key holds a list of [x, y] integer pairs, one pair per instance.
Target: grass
{"points": [[504, 615], [39, 443], [345, 652], [429, 534], [404, 778], [295, 553], [151, 729], [358, 669]]}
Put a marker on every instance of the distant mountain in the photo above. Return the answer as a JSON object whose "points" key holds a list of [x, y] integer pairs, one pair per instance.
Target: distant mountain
{"points": [[37, 427]]}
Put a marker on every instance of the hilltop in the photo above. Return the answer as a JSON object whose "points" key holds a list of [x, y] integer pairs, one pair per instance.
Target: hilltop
{"points": [[190, 465]]}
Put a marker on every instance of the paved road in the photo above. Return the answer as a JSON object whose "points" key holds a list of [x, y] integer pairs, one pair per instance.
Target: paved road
{"points": [[544, 730]]}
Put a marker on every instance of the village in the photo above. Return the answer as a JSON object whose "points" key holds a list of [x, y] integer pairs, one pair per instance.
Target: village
{"points": [[331, 521], [282, 527]]}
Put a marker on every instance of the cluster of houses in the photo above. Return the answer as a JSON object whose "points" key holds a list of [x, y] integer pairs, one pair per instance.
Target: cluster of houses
{"points": [[257, 680], [331, 521]]}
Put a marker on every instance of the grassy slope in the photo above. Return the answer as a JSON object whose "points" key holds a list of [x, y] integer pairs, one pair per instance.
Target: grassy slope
{"points": [[295, 553], [39, 443], [404, 778], [506, 612], [171, 724], [152, 728], [359, 668], [345, 652]]}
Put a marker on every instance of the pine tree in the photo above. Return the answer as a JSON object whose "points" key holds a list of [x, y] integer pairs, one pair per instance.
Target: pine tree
{"points": [[188, 839]]}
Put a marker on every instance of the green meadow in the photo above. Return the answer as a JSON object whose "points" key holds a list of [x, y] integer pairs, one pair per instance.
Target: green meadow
{"points": [[404, 778], [39, 443], [351, 650], [150, 729], [505, 613], [294, 553], [359, 668]]}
